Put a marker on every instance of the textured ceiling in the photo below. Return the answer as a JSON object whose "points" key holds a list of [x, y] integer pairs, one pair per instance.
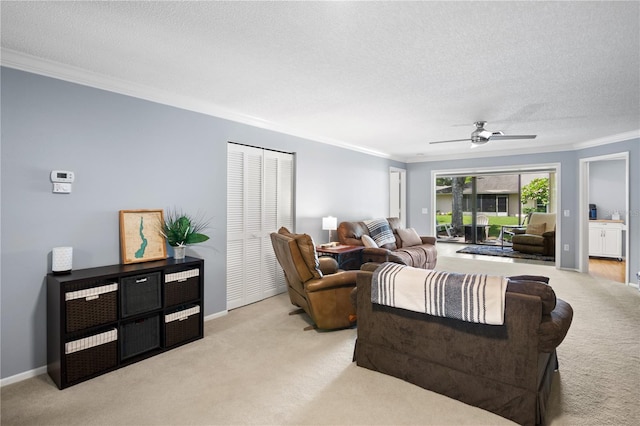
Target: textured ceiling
{"points": [[382, 76]]}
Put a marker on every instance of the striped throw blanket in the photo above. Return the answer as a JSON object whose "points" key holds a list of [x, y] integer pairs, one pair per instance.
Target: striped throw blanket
{"points": [[475, 298]]}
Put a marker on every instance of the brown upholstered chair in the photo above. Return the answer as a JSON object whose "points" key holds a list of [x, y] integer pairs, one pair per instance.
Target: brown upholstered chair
{"points": [[315, 284], [538, 237]]}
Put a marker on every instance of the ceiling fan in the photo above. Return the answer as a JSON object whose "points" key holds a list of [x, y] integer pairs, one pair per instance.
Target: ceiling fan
{"points": [[481, 136]]}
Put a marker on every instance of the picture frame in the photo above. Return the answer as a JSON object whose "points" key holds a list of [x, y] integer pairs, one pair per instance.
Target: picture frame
{"points": [[140, 236]]}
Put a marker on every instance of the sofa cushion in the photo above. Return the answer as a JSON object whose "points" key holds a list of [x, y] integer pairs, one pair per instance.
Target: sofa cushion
{"points": [[307, 250], [380, 231], [534, 288], [528, 239], [309, 254], [296, 256], [284, 231], [368, 242], [536, 228], [409, 237]]}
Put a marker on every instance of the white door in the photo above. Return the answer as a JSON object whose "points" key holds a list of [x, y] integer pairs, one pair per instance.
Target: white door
{"points": [[259, 201]]}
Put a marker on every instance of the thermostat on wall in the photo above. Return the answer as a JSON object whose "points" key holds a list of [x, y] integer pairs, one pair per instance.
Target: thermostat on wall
{"points": [[62, 180], [61, 176]]}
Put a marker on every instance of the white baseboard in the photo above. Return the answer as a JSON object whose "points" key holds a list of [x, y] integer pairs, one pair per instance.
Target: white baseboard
{"points": [[216, 315], [23, 376], [43, 370]]}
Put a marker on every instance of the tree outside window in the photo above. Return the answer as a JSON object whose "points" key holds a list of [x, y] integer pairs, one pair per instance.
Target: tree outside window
{"points": [[537, 191]]}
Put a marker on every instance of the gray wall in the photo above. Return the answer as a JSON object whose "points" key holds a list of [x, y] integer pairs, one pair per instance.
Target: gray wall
{"points": [[606, 187], [129, 153], [419, 184]]}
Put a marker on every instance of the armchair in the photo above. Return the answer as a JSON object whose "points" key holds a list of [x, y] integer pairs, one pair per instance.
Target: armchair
{"points": [[538, 237], [316, 285]]}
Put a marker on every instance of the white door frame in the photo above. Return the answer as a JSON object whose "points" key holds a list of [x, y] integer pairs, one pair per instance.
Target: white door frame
{"points": [[583, 207], [398, 192]]}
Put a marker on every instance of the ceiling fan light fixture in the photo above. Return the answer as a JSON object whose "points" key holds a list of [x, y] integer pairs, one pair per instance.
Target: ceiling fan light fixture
{"points": [[481, 136], [479, 142]]}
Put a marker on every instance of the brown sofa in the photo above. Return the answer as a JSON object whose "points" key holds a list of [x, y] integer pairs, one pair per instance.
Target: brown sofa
{"points": [[422, 255], [506, 369], [316, 285]]}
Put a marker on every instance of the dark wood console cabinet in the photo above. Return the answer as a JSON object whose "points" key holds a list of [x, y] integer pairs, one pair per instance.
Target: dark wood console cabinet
{"points": [[101, 319]]}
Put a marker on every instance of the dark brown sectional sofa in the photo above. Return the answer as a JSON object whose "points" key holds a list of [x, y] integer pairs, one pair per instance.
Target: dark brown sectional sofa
{"points": [[505, 369]]}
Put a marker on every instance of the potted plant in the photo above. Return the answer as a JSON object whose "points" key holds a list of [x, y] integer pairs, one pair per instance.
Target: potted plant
{"points": [[181, 229]]}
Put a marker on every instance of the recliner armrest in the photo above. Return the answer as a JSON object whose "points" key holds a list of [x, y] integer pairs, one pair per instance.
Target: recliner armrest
{"points": [[428, 240], [378, 251], [339, 279], [549, 234], [328, 265]]}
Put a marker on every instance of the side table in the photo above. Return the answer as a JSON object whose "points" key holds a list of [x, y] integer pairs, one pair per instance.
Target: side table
{"points": [[348, 257], [506, 230]]}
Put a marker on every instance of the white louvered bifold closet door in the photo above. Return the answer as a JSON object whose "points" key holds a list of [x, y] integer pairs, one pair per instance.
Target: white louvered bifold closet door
{"points": [[259, 201]]}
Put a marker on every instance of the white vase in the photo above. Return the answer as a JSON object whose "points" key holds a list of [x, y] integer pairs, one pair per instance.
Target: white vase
{"points": [[178, 252]]}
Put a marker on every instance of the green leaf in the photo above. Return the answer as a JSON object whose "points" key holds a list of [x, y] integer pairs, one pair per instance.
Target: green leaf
{"points": [[196, 238]]}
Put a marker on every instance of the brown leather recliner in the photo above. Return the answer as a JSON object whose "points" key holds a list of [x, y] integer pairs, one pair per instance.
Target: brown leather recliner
{"points": [[315, 284]]}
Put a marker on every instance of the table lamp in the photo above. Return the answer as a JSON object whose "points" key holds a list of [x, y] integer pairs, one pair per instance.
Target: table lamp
{"points": [[329, 223]]}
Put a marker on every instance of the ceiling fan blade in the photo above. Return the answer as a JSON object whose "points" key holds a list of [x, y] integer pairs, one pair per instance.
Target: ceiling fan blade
{"points": [[505, 137], [453, 140]]}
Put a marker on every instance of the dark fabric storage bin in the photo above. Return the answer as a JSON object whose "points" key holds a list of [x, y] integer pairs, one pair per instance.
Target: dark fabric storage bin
{"points": [[91, 306], [140, 293], [181, 287], [139, 336], [182, 325], [91, 355]]}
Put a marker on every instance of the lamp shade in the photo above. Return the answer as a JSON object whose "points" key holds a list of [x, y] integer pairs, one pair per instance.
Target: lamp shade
{"points": [[329, 223]]}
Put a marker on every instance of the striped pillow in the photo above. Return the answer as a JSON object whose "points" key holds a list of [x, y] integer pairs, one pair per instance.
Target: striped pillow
{"points": [[380, 231]]}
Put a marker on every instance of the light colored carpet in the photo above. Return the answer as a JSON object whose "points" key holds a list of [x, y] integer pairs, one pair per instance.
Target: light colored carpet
{"points": [[257, 366]]}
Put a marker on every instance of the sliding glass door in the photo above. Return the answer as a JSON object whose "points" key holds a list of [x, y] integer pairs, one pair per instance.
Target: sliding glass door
{"points": [[475, 209]]}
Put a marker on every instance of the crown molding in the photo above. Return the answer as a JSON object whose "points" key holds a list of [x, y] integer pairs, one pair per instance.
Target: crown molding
{"points": [[620, 137], [33, 64]]}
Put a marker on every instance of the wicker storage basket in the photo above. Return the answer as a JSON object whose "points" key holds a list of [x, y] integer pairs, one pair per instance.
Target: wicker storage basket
{"points": [[181, 287], [140, 293], [92, 306], [91, 355], [182, 326], [140, 336]]}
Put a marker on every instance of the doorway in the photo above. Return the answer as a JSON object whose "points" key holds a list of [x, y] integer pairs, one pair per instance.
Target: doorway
{"points": [[398, 194], [491, 202], [441, 195], [604, 204]]}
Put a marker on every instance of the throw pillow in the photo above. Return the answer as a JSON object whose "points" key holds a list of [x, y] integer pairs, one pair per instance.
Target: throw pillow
{"points": [[368, 242], [409, 237], [536, 228], [380, 231]]}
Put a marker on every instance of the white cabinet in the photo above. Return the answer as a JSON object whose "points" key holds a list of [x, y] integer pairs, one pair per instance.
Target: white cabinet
{"points": [[605, 238]]}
